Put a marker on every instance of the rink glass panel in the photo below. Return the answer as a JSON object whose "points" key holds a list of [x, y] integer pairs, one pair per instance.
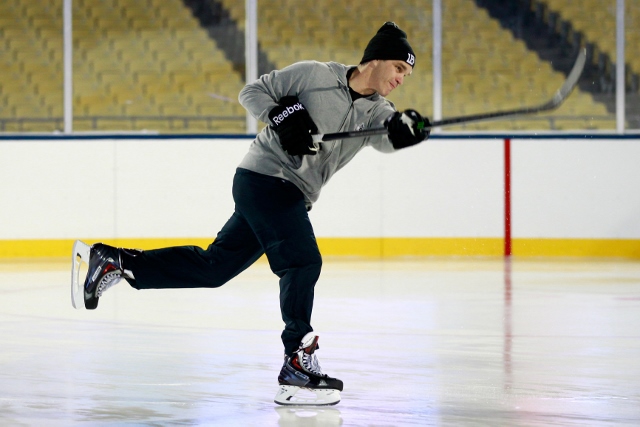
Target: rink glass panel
{"points": [[151, 65]]}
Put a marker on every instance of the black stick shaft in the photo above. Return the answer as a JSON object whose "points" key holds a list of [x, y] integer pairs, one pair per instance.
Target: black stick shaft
{"points": [[558, 98]]}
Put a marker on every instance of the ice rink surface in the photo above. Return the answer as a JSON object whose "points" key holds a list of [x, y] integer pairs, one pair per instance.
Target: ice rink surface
{"points": [[436, 341]]}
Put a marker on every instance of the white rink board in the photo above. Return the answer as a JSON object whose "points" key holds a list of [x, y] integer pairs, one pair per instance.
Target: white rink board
{"points": [[164, 188], [442, 188], [116, 188], [576, 188]]}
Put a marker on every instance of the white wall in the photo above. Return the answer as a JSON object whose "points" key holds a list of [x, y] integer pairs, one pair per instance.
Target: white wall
{"points": [[136, 188], [576, 188], [443, 188]]}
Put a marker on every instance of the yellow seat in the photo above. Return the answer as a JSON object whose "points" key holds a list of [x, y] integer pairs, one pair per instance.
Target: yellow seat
{"points": [[571, 124], [146, 77], [601, 124], [118, 124], [27, 110], [175, 109], [140, 107]]}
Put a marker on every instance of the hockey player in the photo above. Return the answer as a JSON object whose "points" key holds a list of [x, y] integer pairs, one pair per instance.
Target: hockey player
{"points": [[275, 186]]}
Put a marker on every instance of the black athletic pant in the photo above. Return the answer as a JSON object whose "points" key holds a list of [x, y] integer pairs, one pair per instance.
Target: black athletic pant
{"points": [[270, 217]]}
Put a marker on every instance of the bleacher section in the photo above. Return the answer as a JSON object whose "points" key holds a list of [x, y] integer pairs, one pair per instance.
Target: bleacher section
{"points": [[148, 64], [484, 67], [599, 24], [136, 65]]}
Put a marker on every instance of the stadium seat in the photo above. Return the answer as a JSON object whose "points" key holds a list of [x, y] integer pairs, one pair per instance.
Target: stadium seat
{"points": [[114, 66], [128, 50]]}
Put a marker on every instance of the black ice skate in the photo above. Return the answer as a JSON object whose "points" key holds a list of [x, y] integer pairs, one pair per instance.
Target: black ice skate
{"points": [[104, 271], [302, 381]]}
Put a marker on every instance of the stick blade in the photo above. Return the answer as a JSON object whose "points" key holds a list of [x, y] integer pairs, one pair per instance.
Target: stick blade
{"points": [[571, 81], [557, 99]]}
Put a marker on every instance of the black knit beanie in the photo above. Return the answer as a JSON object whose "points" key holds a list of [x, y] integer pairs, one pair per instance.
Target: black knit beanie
{"points": [[390, 42]]}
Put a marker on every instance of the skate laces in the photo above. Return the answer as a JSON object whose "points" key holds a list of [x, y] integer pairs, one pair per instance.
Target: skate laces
{"points": [[112, 273], [310, 363], [306, 354], [108, 281]]}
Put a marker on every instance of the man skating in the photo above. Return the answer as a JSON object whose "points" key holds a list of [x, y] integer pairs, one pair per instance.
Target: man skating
{"points": [[275, 186]]}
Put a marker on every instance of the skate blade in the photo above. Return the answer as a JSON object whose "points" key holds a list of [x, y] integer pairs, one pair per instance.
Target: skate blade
{"points": [[290, 395], [80, 255]]}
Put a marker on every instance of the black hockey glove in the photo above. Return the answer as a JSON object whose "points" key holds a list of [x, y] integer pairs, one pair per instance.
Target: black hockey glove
{"points": [[407, 128], [294, 127]]}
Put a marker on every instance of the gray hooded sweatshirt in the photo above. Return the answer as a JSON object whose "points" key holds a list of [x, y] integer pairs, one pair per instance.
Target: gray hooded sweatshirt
{"points": [[323, 89]]}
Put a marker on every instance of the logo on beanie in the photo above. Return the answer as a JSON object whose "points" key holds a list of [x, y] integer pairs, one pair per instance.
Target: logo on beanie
{"points": [[411, 59]]}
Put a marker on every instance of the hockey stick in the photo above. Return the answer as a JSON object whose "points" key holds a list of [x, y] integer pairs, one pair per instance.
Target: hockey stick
{"points": [[558, 98]]}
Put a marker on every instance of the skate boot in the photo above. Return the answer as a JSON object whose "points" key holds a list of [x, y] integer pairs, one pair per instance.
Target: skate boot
{"points": [[105, 270], [302, 381]]}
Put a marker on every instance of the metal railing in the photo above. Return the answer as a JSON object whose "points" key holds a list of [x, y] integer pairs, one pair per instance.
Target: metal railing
{"points": [[124, 124]]}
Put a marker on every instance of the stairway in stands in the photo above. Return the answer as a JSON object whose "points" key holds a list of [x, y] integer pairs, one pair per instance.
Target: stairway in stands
{"points": [[547, 28]]}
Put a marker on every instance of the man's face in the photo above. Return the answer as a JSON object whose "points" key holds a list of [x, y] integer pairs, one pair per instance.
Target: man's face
{"points": [[388, 75]]}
